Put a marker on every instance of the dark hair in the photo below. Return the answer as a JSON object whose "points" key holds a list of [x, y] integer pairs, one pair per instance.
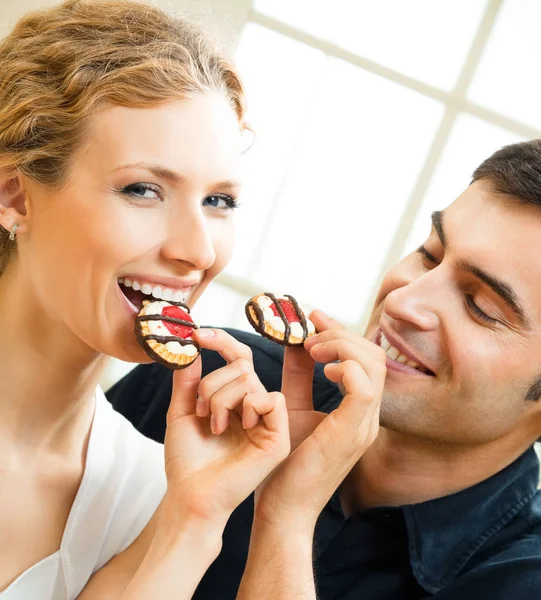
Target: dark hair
{"points": [[514, 172]]}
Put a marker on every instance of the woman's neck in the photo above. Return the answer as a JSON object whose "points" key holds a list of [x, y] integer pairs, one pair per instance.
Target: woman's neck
{"points": [[48, 375]]}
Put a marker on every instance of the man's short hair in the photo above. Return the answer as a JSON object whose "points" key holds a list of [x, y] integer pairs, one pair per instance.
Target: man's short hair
{"points": [[514, 172]]}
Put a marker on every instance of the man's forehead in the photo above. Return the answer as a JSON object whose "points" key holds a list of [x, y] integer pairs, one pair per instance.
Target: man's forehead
{"points": [[482, 217], [499, 235]]}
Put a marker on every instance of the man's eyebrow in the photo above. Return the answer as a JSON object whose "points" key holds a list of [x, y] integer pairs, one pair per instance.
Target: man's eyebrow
{"points": [[173, 176], [503, 289], [437, 223]]}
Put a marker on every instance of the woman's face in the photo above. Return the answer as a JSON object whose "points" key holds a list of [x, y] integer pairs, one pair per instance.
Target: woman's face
{"points": [[150, 200]]}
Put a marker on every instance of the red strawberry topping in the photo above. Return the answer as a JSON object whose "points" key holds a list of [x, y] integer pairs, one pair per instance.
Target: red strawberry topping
{"points": [[181, 331], [289, 311]]}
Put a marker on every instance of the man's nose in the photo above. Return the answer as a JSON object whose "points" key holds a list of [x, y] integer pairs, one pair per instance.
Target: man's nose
{"points": [[190, 241], [416, 302]]}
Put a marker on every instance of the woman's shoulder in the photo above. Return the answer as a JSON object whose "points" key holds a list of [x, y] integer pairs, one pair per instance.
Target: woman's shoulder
{"points": [[123, 484]]}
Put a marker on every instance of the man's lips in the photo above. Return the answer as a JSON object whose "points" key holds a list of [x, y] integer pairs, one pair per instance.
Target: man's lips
{"points": [[399, 355]]}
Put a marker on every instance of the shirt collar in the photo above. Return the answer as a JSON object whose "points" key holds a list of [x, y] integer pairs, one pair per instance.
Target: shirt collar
{"points": [[445, 532]]}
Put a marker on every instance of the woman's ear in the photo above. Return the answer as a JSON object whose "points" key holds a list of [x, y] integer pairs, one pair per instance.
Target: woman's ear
{"points": [[12, 202]]}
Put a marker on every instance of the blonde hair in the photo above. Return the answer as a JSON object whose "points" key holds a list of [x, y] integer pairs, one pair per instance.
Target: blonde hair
{"points": [[60, 64]]}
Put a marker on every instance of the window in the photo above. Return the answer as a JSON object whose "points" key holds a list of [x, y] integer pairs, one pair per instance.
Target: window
{"points": [[368, 116]]}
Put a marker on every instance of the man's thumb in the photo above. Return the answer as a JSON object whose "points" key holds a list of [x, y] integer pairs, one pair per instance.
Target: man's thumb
{"points": [[297, 378]]}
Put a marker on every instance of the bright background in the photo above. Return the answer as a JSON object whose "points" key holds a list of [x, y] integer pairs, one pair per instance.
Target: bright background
{"points": [[369, 116]]}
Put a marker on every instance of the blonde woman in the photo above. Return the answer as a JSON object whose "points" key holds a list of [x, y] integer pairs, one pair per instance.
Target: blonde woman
{"points": [[120, 137]]}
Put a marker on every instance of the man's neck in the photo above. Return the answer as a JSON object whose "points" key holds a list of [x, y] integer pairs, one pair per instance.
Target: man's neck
{"points": [[397, 470]]}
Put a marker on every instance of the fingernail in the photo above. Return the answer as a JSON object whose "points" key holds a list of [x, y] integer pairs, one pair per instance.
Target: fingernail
{"points": [[213, 423], [206, 333], [200, 407]]}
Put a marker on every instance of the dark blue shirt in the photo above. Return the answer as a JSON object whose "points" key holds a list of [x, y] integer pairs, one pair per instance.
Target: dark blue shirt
{"points": [[483, 543]]}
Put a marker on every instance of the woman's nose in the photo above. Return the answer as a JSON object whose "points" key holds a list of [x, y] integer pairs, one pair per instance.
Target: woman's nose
{"points": [[190, 241]]}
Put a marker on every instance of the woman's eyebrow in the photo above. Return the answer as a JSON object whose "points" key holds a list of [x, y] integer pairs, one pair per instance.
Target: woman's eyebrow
{"points": [[174, 176], [158, 170]]}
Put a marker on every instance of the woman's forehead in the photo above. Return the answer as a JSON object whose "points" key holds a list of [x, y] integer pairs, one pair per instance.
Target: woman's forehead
{"points": [[200, 133]]}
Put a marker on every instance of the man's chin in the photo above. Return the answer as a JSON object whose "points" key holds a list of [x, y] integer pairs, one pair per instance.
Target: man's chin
{"points": [[397, 413]]}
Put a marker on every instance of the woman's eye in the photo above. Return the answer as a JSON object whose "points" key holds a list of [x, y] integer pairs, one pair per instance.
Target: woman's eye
{"points": [[142, 191], [221, 201]]}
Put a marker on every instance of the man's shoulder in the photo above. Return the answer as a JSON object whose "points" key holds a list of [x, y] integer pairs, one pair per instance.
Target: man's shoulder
{"points": [[508, 564]]}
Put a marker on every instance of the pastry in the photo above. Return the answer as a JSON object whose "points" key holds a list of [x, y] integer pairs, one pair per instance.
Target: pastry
{"points": [[279, 318], [164, 329]]}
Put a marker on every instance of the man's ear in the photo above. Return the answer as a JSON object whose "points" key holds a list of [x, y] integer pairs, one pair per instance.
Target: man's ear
{"points": [[12, 202]]}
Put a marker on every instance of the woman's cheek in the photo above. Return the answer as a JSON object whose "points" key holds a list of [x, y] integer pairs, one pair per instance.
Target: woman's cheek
{"points": [[223, 240]]}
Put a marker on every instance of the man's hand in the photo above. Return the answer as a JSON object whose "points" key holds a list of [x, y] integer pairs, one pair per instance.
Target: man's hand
{"points": [[327, 447], [291, 499]]}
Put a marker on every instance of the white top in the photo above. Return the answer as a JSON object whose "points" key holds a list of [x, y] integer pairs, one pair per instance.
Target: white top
{"points": [[122, 485]]}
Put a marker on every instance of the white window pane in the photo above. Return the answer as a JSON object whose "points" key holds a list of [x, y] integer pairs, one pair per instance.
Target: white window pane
{"points": [[470, 143], [348, 183], [424, 39], [220, 306], [507, 78], [280, 76]]}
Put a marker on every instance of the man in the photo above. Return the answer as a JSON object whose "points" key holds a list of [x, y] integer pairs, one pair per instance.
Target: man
{"points": [[444, 503]]}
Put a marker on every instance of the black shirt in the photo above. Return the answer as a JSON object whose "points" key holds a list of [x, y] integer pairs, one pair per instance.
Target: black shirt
{"points": [[481, 543]]}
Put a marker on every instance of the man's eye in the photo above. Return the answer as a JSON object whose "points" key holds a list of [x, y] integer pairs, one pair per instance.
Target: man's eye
{"points": [[142, 191], [426, 255], [221, 201], [480, 314]]}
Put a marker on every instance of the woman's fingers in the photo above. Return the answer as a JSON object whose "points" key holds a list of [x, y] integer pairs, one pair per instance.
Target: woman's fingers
{"points": [[183, 398], [271, 409], [230, 397], [215, 381], [226, 345]]}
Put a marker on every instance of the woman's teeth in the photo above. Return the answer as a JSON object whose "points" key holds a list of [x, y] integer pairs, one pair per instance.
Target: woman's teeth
{"points": [[157, 291], [394, 354]]}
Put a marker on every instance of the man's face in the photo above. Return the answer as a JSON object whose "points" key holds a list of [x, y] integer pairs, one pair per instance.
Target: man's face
{"points": [[466, 308]]}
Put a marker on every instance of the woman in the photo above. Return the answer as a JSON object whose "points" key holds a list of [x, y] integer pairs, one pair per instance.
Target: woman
{"points": [[120, 137]]}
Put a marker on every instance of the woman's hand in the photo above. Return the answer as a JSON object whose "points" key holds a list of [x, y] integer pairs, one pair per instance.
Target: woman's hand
{"points": [[225, 433], [328, 447]]}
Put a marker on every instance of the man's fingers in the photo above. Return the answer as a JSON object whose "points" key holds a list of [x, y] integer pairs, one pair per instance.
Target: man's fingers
{"points": [[370, 357], [362, 397], [323, 322], [226, 345], [185, 384], [297, 378]]}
